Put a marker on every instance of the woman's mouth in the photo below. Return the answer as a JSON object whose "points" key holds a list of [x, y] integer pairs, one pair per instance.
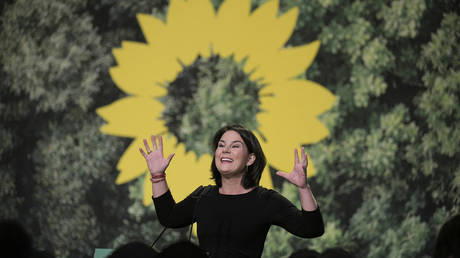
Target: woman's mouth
{"points": [[226, 160]]}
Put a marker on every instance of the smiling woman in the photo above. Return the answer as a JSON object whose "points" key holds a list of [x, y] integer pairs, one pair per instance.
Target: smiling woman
{"points": [[234, 216], [237, 149]]}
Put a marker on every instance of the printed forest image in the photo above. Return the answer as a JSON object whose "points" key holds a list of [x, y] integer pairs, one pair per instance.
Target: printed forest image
{"points": [[370, 89]]}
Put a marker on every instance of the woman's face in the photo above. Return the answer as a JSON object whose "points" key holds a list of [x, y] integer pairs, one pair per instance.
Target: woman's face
{"points": [[232, 155]]}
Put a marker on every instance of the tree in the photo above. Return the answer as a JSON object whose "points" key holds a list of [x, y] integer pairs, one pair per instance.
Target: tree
{"points": [[387, 177], [57, 168], [385, 181]]}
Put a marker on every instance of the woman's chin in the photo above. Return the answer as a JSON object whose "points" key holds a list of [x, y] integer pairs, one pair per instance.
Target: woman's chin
{"points": [[230, 173]]}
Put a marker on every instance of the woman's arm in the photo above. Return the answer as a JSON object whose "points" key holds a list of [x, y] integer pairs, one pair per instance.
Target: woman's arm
{"points": [[169, 213], [298, 177], [307, 199], [172, 214], [305, 223], [302, 223]]}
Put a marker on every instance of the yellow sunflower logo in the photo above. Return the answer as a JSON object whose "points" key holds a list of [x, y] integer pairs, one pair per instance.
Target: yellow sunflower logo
{"points": [[157, 74]]}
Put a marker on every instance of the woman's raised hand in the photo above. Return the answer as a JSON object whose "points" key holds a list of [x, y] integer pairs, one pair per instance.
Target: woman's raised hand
{"points": [[154, 158], [298, 175]]}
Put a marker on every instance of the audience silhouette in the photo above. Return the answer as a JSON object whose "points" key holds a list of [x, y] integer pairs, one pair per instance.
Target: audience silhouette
{"points": [[183, 249], [335, 252], [15, 242], [304, 253], [134, 250], [448, 240]]}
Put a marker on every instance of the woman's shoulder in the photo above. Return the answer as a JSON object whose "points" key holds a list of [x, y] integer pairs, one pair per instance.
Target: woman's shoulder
{"points": [[203, 190], [265, 192], [272, 200]]}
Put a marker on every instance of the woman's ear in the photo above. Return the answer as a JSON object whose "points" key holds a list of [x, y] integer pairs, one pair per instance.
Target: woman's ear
{"points": [[251, 159]]}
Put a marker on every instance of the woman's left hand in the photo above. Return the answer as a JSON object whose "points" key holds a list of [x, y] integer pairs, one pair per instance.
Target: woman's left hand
{"points": [[298, 175]]}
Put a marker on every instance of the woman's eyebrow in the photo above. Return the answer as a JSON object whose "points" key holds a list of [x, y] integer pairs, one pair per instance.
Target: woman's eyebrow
{"points": [[232, 141]]}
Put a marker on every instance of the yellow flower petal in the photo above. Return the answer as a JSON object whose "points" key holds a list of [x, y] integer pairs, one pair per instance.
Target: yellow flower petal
{"points": [[152, 28], [291, 62], [190, 26], [266, 179], [186, 172], [231, 35], [142, 69], [133, 75], [234, 10], [133, 117], [290, 118], [284, 163], [252, 34], [303, 96], [279, 29], [176, 10], [147, 196], [131, 164]]}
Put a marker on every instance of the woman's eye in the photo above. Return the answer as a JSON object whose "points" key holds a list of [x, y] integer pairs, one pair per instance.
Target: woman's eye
{"points": [[220, 145], [235, 146]]}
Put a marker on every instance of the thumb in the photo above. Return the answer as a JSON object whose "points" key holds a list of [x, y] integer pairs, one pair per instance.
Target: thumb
{"points": [[282, 174], [170, 158]]}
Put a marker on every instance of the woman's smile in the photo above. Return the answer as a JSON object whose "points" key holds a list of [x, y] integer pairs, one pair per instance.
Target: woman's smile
{"points": [[231, 154]]}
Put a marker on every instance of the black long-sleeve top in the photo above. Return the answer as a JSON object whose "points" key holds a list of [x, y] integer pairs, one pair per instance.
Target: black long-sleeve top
{"points": [[236, 225]]}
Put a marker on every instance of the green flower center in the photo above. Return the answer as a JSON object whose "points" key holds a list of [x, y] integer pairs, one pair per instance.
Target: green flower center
{"points": [[210, 93]]}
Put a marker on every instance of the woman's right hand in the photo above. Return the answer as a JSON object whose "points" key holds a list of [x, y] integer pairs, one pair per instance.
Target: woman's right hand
{"points": [[154, 157]]}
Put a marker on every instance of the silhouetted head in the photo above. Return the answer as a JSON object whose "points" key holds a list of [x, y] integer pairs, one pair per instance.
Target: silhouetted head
{"points": [[335, 252], [133, 250], [448, 240], [14, 240], [183, 249], [304, 253]]}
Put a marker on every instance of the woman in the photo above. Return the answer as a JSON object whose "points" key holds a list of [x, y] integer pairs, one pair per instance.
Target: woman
{"points": [[234, 216]]}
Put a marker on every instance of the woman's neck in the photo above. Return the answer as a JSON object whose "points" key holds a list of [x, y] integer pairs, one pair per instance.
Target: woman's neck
{"points": [[232, 186]]}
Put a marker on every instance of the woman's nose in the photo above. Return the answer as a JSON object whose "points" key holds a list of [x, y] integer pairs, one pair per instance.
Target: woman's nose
{"points": [[226, 149]]}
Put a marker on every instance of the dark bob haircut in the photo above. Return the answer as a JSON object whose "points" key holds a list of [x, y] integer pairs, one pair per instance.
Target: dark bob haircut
{"points": [[252, 176]]}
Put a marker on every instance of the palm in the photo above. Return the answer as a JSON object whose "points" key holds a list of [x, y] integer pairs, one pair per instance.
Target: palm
{"points": [[298, 175], [156, 162], [154, 158]]}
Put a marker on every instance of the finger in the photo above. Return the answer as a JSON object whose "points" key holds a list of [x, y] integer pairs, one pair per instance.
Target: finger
{"points": [[282, 174], [154, 143], [168, 160], [170, 157], [305, 156], [296, 156], [147, 147], [160, 144], [143, 153]]}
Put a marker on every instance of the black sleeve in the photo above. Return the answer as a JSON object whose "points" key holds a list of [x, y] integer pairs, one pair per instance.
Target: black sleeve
{"points": [[175, 215], [283, 213]]}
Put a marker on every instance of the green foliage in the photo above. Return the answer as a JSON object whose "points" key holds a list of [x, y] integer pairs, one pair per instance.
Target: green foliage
{"points": [[276, 244], [392, 158], [387, 178], [9, 194], [205, 96], [402, 19], [70, 160], [57, 169], [59, 63], [439, 104]]}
